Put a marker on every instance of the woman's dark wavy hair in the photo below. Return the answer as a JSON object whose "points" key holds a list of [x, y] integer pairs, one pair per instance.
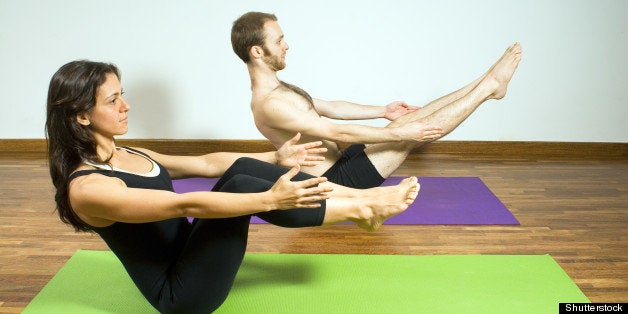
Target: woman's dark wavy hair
{"points": [[73, 89]]}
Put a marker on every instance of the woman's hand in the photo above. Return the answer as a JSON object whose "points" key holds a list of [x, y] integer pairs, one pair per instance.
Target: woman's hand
{"points": [[288, 194], [290, 154]]}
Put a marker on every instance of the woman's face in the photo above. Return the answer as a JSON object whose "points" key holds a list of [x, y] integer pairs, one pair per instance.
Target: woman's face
{"points": [[109, 116]]}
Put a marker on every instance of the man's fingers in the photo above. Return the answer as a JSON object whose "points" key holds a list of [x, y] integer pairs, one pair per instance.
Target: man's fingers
{"points": [[429, 126], [432, 128]]}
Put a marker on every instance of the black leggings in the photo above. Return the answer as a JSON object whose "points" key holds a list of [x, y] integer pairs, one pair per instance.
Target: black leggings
{"points": [[202, 275]]}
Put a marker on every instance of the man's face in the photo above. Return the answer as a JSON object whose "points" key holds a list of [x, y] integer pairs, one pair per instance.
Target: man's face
{"points": [[275, 46]]}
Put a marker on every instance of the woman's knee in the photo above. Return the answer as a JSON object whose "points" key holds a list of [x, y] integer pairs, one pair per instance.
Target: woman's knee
{"points": [[245, 165], [248, 163], [242, 183]]}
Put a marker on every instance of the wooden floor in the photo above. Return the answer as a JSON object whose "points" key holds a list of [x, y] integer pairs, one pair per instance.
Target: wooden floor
{"points": [[574, 210]]}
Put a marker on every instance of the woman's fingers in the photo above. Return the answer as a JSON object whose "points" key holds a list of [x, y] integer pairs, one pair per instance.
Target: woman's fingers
{"points": [[294, 140], [311, 201], [311, 161], [311, 145], [291, 173], [310, 197], [319, 190], [316, 151], [301, 194], [311, 182]]}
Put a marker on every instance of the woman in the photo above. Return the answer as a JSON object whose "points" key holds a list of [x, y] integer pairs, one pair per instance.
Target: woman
{"points": [[125, 194]]}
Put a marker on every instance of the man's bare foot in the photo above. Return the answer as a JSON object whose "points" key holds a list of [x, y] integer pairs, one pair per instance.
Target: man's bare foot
{"points": [[385, 202], [502, 71]]}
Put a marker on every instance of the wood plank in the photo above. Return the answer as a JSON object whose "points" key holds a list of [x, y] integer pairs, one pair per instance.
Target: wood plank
{"points": [[574, 209], [471, 149]]}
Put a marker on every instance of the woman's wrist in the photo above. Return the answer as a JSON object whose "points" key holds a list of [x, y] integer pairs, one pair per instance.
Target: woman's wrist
{"points": [[268, 201]]}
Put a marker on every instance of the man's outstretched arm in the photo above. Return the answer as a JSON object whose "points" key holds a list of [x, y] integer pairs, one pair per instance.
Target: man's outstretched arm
{"points": [[278, 115], [344, 110]]}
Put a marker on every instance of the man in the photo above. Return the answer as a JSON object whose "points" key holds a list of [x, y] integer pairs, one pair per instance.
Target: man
{"points": [[281, 110]]}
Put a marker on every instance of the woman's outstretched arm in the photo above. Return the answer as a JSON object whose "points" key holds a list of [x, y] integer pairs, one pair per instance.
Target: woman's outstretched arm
{"points": [[215, 164], [101, 200]]}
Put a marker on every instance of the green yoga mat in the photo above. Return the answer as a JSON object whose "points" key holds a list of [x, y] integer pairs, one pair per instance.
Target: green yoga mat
{"points": [[95, 282]]}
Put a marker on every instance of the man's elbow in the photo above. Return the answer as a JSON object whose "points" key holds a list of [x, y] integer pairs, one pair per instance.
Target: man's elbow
{"points": [[341, 136]]}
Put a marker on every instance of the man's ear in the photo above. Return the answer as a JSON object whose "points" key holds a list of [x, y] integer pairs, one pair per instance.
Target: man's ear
{"points": [[83, 119], [256, 52]]}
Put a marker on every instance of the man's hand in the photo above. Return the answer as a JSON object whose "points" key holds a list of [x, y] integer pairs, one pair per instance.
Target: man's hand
{"points": [[420, 132], [290, 154], [397, 109]]}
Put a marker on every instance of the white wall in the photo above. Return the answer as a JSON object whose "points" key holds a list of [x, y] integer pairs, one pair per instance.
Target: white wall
{"points": [[183, 80]]}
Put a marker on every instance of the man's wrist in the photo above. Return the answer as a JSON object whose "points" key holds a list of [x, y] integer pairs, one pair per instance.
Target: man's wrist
{"points": [[384, 111], [397, 134]]}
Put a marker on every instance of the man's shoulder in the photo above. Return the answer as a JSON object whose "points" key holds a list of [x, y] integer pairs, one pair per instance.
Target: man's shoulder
{"points": [[270, 99], [279, 98], [299, 93]]}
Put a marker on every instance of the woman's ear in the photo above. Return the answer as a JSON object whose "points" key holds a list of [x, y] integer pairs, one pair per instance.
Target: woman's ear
{"points": [[83, 119]]}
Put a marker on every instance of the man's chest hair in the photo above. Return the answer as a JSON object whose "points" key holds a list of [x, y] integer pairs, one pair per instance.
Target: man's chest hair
{"points": [[298, 96]]}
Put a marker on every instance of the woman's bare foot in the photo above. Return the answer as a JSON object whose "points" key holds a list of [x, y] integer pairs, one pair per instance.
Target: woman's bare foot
{"points": [[498, 77], [385, 202]]}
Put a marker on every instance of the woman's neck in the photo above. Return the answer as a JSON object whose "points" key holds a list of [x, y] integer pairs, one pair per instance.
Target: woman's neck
{"points": [[105, 148]]}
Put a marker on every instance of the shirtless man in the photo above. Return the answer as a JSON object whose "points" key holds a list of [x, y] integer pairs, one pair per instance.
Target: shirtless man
{"points": [[281, 110]]}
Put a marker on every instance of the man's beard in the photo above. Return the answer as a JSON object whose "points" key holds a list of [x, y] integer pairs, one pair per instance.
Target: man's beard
{"points": [[274, 62]]}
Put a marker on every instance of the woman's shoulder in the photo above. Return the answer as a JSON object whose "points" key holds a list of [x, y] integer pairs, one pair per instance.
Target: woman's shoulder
{"points": [[83, 167], [82, 170], [87, 174], [140, 150], [89, 186], [92, 184]]}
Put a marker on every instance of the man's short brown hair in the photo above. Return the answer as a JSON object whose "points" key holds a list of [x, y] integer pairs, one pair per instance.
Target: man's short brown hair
{"points": [[248, 31]]}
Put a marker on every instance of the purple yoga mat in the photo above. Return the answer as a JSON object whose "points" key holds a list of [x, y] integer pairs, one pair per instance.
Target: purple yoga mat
{"points": [[441, 201]]}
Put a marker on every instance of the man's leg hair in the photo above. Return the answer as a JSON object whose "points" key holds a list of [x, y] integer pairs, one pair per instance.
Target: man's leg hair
{"points": [[448, 112]]}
